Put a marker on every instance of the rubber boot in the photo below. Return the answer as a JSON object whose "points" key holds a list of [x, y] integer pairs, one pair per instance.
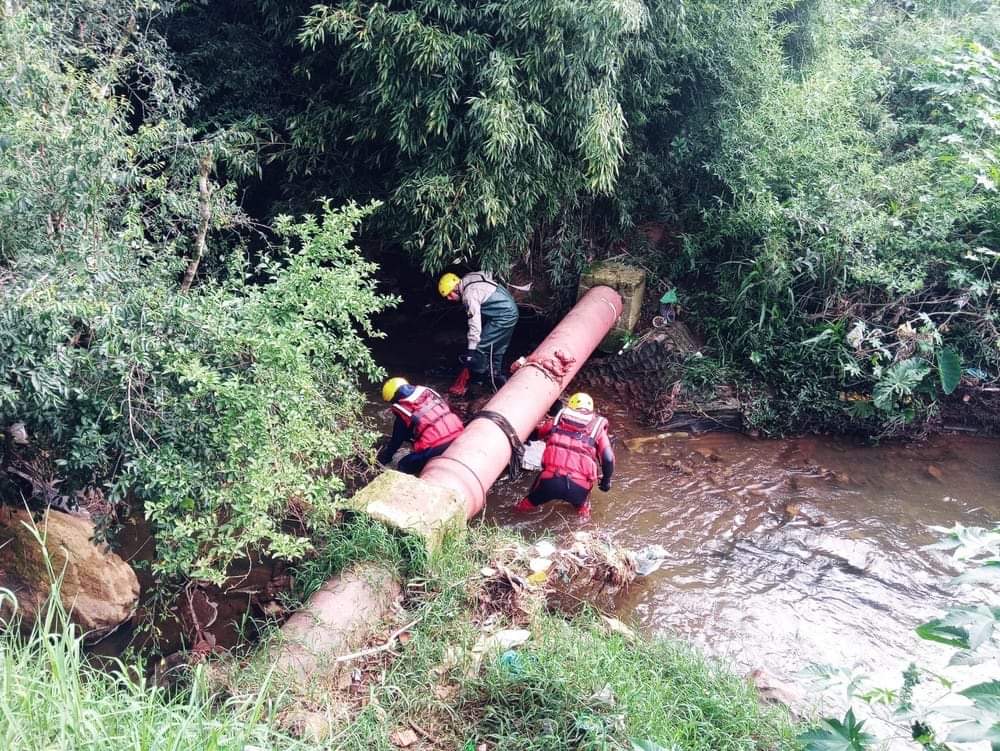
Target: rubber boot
{"points": [[524, 506], [583, 512]]}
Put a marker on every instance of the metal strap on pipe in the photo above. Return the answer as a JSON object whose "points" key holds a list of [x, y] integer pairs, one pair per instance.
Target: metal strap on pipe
{"points": [[516, 447]]}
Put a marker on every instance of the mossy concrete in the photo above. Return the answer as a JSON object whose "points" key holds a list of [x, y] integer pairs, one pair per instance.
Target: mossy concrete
{"points": [[627, 281], [412, 505]]}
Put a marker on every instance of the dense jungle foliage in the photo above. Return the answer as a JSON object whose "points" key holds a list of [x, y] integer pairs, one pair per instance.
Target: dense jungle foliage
{"points": [[819, 179]]}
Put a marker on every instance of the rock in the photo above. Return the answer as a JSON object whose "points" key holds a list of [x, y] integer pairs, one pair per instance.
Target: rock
{"points": [[771, 689], [308, 724], [684, 469], [99, 590], [403, 738], [707, 453]]}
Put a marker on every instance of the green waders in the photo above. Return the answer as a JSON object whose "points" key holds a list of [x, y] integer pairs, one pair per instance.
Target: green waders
{"points": [[499, 314]]}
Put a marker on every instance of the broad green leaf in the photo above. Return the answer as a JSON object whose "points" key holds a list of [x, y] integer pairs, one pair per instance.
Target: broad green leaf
{"points": [[988, 573], [967, 542], [936, 630], [836, 735], [985, 696], [974, 732], [967, 659], [949, 369]]}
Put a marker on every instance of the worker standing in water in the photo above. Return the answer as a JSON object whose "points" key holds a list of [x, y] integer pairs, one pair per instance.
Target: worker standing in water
{"points": [[577, 451], [492, 315], [422, 417]]}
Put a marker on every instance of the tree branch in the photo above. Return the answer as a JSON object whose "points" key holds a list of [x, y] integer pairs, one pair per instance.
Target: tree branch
{"points": [[205, 216]]}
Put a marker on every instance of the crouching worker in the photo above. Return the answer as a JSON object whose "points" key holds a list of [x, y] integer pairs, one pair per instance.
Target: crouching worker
{"points": [[577, 450], [423, 417]]}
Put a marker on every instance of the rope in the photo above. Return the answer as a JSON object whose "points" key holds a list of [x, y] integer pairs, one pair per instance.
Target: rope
{"points": [[462, 464], [516, 447], [543, 370]]}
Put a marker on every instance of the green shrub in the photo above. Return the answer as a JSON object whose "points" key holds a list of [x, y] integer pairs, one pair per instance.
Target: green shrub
{"points": [[159, 371]]}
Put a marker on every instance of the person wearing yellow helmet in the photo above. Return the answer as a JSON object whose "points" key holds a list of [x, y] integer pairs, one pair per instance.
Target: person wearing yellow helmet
{"points": [[422, 417], [577, 450], [492, 315]]}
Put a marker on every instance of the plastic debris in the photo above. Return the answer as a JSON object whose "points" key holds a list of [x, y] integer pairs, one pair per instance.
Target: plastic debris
{"points": [[650, 559], [512, 662], [605, 696], [506, 639], [540, 565], [531, 461], [615, 626], [545, 549]]}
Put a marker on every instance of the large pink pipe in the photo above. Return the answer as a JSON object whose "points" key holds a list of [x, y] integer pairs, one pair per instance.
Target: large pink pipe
{"points": [[477, 457]]}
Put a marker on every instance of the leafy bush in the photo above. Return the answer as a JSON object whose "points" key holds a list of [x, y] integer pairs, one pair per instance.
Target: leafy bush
{"points": [[217, 402], [852, 253]]}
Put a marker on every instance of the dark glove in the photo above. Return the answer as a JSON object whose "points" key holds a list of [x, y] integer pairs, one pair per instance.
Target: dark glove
{"points": [[469, 358], [605, 485], [383, 457]]}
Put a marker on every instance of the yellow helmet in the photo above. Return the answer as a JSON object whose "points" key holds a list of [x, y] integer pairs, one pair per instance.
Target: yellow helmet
{"points": [[581, 401], [391, 387], [447, 284]]}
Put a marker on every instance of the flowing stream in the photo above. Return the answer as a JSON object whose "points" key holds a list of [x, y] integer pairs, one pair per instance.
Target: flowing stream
{"points": [[787, 554]]}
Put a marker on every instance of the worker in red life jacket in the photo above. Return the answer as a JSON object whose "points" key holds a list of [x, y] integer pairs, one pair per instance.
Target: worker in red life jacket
{"points": [[577, 451], [423, 417]]}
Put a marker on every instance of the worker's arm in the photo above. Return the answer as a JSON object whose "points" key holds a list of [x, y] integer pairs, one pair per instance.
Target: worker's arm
{"points": [[542, 431], [607, 457], [472, 309], [400, 434]]}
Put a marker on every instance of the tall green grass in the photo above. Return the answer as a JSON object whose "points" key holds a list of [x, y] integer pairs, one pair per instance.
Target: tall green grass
{"points": [[52, 698], [572, 687]]}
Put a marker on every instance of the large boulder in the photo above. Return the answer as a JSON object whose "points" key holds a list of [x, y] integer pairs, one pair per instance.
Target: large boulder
{"points": [[99, 590]]}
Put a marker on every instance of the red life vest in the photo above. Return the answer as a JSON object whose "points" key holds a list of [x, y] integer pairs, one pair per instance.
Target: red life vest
{"points": [[571, 447], [429, 417]]}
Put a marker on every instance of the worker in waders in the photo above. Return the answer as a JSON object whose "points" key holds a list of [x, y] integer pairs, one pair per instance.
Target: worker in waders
{"points": [[492, 315], [577, 451], [423, 417]]}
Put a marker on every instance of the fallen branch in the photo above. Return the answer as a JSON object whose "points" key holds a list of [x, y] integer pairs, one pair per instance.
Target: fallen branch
{"points": [[421, 732], [389, 643]]}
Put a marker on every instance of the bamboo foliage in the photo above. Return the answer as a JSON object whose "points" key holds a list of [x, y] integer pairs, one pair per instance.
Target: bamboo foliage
{"points": [[496, 115]]}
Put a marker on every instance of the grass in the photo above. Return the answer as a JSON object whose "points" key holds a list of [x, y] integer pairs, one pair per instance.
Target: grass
{"points": [[572, 687], [53, 699]]}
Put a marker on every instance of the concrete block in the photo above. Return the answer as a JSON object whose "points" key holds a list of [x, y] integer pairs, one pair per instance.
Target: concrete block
{"points": [[630, 283], [412, 505]]}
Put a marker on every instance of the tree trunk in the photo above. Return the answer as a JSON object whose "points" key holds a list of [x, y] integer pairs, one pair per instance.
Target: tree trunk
{"points": [[204, 217]]}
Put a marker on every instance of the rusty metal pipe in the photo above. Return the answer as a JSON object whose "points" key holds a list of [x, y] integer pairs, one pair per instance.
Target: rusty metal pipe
{"points": [[477, 457]]}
